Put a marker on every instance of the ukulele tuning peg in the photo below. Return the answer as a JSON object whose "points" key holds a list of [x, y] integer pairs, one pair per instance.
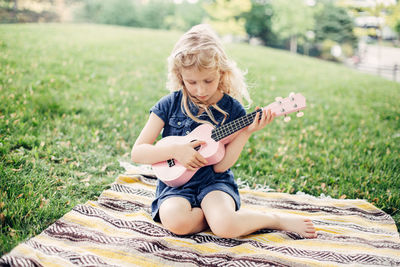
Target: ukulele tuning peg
{"points": [[299, 114], [278, 99], [286, 119]]}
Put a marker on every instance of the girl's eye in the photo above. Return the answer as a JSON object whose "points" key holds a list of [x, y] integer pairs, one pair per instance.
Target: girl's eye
{"points": [[207, 81], [192, 83]]}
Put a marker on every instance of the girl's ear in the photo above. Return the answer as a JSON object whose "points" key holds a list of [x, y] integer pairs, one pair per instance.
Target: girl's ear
{"points": [[179, 75], [221, 74]]}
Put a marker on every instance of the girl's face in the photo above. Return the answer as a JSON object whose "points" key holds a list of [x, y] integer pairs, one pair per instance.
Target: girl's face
{"points": [[202, 84]]}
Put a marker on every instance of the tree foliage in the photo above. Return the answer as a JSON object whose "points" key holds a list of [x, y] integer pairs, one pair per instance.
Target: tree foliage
{"points": [[185, 16], [292, 18], [393, 17], [334, 23], [226, 15], [275, 22], [259, 21], [117, 12], [159, 14]]}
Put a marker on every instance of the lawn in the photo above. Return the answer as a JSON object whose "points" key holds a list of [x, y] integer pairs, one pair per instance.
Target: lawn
{"points": [[73, 98]]}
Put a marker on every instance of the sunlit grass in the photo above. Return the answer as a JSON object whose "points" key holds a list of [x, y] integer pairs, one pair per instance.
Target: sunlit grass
{"points": [[73, 98]]}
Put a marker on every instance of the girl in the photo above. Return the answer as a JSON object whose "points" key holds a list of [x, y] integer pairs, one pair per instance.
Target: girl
{"points": [[206, 87]]}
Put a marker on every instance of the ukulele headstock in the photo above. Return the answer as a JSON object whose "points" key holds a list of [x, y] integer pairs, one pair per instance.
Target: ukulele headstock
{"points": [[292, 103]]}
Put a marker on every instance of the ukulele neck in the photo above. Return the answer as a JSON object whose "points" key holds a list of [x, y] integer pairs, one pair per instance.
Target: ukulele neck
{"points": [[281, 107], [230, 128]]}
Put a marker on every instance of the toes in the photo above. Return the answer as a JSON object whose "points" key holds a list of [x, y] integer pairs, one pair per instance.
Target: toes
{"points": [[310, 235], [310, 225], [308, 222], [310, 230]]}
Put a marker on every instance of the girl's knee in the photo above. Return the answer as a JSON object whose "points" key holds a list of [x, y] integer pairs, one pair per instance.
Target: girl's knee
{"points": [[179, 225], [174, 215], [177, 216], [224, 226]]}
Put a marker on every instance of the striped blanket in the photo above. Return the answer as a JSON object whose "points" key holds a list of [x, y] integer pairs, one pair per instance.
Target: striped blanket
{"points": [[117, 230]]}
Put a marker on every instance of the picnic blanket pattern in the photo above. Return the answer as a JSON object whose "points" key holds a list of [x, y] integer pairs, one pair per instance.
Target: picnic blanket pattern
{"points": [[117, 230]]}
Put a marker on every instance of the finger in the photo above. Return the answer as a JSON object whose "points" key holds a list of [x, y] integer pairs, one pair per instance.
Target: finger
{"points": [[201, 160], [189, 167], [256, 118], [269, 116], [253, 125], [273, 114], [261, 118], [192, 167], [195, 164], [264, 117], [196, 161], [259, 121], [197, 143]]}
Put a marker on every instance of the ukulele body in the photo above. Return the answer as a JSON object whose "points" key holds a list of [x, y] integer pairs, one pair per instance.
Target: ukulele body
{"points": [[172, 172]]}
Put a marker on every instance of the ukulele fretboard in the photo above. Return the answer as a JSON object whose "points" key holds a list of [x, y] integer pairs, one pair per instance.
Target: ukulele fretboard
{"points": [[227, 129]]}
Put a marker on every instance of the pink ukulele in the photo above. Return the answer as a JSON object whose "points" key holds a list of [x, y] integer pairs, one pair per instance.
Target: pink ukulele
{"points": [[172, 173]]}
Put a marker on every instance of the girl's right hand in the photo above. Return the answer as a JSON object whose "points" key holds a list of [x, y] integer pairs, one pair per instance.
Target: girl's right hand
{"points": [[189, 157]]}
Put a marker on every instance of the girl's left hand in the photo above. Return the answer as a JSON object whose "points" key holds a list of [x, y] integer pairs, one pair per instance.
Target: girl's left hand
{"points": [[258, 124]]}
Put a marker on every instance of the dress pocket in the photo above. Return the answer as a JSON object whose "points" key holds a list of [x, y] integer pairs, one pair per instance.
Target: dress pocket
{"points": [[176, 125]]}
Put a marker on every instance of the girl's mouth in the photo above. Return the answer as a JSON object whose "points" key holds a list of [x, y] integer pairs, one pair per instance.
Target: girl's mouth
{"points": [[202, 97]]}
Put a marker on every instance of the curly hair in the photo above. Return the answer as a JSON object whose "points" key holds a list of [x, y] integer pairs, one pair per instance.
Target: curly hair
{"points": [[201, 48]]}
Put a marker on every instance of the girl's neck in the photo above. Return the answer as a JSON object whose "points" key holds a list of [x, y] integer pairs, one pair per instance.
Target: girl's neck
{"points": [[215, 98]]}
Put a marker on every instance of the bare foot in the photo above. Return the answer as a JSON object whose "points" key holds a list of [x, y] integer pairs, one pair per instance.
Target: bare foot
{"points": [[301, 225]]}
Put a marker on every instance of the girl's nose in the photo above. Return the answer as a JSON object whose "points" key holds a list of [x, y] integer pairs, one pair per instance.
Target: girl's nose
{"points": [[200, 89]]}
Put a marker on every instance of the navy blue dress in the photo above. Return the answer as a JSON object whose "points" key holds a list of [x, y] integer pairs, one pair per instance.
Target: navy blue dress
{"points": [[205, 179]]}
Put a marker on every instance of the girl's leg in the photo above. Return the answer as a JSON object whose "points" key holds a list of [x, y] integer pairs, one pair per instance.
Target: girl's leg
{"points": [[178, 216], [224, 221]]}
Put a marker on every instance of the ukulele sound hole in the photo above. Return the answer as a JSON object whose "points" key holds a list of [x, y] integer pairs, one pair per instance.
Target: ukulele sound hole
{"points": [[197, 148]]}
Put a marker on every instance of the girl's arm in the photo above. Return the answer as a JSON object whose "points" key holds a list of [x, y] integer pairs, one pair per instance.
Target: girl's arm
{"points": [[143, 151], [235, 147]]}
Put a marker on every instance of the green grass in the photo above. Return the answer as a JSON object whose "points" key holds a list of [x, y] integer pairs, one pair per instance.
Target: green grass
{"points": [[73, 98]]}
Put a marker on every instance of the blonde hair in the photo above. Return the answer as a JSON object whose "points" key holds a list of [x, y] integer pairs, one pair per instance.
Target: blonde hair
{"points": [[200, 47]]}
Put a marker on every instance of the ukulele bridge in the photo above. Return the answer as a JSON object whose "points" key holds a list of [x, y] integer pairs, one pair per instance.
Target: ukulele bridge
{"points": [[171, 163]]}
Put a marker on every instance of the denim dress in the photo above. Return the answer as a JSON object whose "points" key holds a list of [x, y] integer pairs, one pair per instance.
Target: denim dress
{"points": [[205, 180]]}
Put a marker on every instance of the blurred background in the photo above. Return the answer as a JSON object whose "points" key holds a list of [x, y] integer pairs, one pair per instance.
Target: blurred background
{"points": [[362, 34]]}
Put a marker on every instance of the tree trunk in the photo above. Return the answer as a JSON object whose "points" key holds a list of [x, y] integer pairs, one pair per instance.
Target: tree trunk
{"points": [[15, 5], [293, 44]]}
